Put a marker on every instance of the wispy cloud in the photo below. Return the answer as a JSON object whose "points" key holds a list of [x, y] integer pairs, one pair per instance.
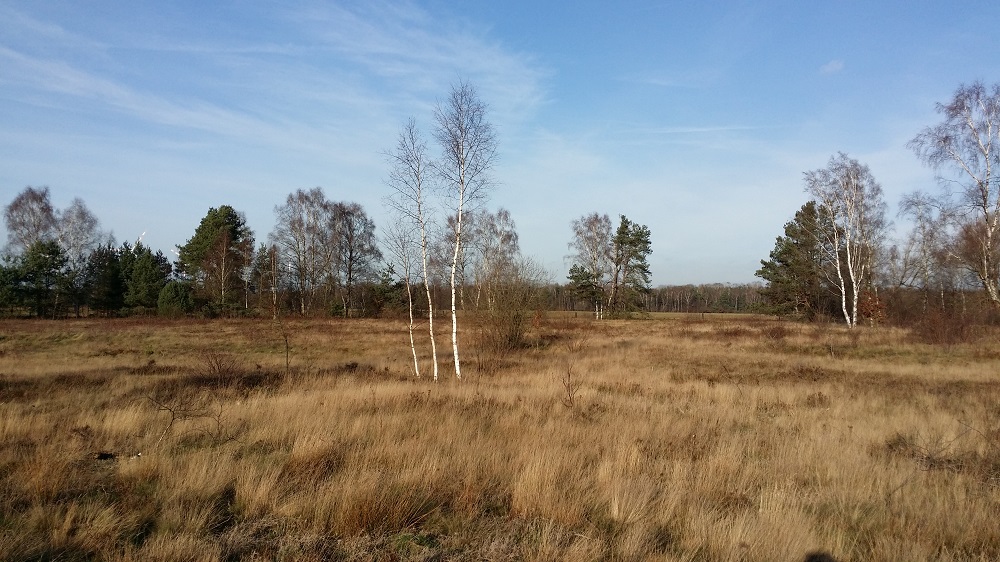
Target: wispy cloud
{"points": [[230, 114], [18, 26], [421, 55], [687, 130], [59, 77], [407, 59], [700, 78], [832, 67]]}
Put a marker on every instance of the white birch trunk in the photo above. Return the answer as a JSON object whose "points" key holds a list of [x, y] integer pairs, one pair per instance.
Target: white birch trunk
{"points": [[413, 345], [427, 288], [454, 269]]}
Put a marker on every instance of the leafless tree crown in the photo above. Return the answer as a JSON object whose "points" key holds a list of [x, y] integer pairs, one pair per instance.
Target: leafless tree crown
{"points": [[967, 142], [30, 218]]}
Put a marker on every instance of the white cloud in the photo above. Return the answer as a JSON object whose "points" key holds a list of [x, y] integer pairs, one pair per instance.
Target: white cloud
{"points": [[832, 67]]}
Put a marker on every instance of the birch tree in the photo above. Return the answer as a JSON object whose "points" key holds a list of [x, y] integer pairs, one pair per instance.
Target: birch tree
{"points": [[408, 175], [927, 261], [266, 277], [468, 146], [400, 242], [967, 142], [591, 245], [854, 209], [78, 233]]}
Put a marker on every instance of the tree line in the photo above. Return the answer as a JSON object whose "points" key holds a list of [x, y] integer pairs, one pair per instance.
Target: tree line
{"points": [[444, 250], [60, 263], [836, 257]]}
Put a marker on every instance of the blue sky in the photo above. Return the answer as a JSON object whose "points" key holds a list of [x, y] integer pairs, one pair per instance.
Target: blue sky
{"points": [[696, 119]]}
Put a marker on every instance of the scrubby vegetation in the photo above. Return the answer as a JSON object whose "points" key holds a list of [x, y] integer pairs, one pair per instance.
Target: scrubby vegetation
{"points": [[671, 438]]}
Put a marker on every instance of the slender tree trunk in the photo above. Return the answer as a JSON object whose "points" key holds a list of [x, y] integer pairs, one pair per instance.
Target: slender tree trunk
{"points": [[427, 287], [430, 323], [274, 283], [409, 306], [853, 275], [454, 270]]}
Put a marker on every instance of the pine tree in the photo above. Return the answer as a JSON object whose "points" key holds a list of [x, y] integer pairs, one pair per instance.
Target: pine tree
{"points": [[104, 284], [631, 247], [794, 275]]}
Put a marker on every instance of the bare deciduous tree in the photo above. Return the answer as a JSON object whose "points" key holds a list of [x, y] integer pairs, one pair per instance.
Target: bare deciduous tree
{"points": [[408, 177], [468, 146], [303, 235], [495, 246], [79, 233], [324, 246], [852, 201], [968, 142], [265, 279], [30, 218], [926, 261], [400, 240], [357, 249]]}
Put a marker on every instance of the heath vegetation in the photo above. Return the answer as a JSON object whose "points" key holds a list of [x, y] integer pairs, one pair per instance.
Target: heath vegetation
{"points": [[669, 438]]}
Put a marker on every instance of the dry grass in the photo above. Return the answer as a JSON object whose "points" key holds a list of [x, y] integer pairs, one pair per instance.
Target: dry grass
{"points": [[666, 439]]}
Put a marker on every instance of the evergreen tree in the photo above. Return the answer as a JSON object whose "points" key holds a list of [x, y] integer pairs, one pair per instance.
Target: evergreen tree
{"points": [[126, 260], [176, 299], [10, 285], [44, 275], [794, 272], [631, 247], [216, 257], [585, 285], [147, 275], [104, 284]]}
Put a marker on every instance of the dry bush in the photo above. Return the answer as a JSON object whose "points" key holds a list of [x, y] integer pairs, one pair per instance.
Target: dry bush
{"points": [[730, 332], [775, 331], [947, 328]]}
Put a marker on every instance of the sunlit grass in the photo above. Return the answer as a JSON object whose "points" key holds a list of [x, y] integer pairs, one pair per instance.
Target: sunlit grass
{"points": [[686, 438]]}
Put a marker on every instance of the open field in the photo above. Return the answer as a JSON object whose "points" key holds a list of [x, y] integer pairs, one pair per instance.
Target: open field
{"points": [[671, 438]]}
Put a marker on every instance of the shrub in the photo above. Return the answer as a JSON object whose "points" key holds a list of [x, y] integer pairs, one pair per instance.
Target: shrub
{"points": [[508, 306], [176, 299]]}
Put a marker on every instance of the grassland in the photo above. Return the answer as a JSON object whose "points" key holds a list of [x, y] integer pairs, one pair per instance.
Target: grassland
{"points": [[671, 438]]}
